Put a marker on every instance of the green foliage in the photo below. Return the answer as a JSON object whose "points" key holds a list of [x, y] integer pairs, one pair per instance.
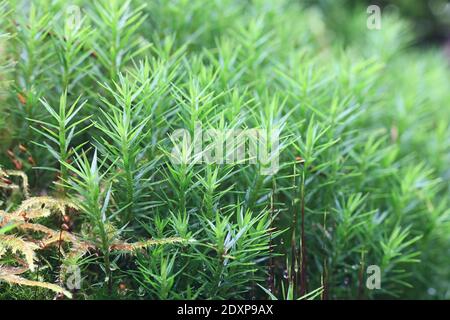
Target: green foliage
{"points": [[364, 147], [95, 205], [61, 132]]}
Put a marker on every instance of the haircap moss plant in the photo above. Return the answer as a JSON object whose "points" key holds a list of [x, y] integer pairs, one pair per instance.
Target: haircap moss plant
{"points": [[92, 92]]}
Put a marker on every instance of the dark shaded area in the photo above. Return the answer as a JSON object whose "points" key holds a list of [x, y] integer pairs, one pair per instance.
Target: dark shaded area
{"points": [[430, 18]]}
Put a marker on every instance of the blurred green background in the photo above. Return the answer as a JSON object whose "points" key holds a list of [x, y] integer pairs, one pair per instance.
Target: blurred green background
{"points": [[430, 19]]}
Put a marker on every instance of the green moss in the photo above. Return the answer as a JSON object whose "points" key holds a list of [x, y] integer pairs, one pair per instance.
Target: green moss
{"points": [[364, 146]]}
